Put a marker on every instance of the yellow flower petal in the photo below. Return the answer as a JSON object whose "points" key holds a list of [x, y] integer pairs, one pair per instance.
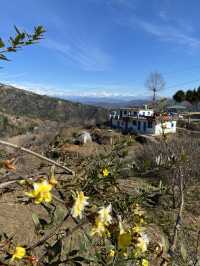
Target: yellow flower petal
{"points": [[111, 253], [105, 172], [19, 253], [104, 215], [121, 227], [79, 205], [99, 228], [137, 229], [145, 262], [53, 181], [41, 192]]}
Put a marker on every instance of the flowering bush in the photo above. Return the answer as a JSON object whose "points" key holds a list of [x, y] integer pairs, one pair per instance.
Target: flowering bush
{"points": [[110, 224]]}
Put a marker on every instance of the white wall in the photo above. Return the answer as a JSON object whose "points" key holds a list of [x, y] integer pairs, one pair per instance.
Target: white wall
{"points": [[155, 130], [134, 128], [146, 112], [168, 127]]}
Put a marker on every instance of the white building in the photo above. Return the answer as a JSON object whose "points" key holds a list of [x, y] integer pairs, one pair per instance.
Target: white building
{"points": [[142, 121]]}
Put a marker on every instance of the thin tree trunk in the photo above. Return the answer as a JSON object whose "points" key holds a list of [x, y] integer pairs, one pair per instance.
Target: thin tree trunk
{"points": [[179, 216]]}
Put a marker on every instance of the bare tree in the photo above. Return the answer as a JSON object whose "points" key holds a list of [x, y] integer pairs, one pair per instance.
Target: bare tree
{"points": [[155, 83]]}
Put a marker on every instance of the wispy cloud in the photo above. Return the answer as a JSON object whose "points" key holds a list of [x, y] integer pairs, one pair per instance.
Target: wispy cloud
{"points": [[163, 31], [87, 57], [163, 24], [167, 33]]}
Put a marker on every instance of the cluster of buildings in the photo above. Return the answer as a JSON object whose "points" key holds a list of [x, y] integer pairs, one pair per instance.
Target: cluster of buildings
{"points": [[143, 121]]}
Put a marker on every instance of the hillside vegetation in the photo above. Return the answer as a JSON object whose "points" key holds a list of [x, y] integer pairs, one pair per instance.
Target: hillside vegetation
{"points": [[20, 102]]}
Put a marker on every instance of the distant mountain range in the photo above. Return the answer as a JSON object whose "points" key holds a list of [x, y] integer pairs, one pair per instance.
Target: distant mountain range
{"points": [[25, 103], [110, 102]]}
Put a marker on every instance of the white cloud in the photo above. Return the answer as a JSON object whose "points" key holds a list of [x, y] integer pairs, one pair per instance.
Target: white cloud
{"points": [[88, 57], [81, 90]]}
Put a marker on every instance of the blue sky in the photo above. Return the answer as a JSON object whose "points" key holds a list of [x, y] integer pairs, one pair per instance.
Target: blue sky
{"points": [[104, 47]]}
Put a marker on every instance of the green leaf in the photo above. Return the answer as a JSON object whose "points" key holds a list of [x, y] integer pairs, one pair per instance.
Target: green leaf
{"points": [[3, 57], [36, 221], [39, 30], [17, 30], [2, 44], [183, 252], [54, 252], [29, 42]]}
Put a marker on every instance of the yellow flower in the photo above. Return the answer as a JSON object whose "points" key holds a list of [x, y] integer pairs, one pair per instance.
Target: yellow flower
{"points": [[105, 172], [41, 192], [79, 205], [99, 228], [124, 240], [19, 253], [137, 229], [121, 227], [143, 242], [104, 215], [145, 262], [138, 211], [53, 181], [111, 253], [103, 219]]}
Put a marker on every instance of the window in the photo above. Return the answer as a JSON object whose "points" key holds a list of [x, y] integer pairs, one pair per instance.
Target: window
{"points": [[135, 113], [125, 112], [144, 126], [172, 124], [134, 123], [143, 113], [150, 124], [138, 125]]}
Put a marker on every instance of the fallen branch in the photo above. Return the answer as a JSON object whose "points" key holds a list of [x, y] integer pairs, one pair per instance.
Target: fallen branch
{"points": [[8, 183], [5, 143]]}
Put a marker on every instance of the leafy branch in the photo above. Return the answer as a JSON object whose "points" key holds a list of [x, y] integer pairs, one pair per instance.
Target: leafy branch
{"points": [[20, 39]]}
